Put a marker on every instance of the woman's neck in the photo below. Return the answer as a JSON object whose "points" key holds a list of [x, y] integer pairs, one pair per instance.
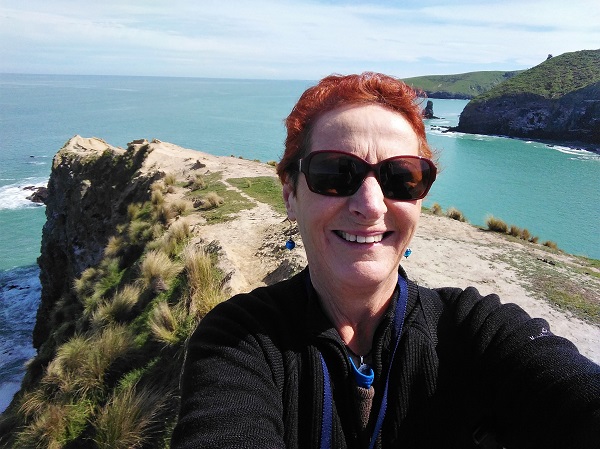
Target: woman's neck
{"points": [[355, 314]]}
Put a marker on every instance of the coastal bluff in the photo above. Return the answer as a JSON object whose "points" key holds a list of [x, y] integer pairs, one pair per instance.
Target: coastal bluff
{"points": [[557, 100], [110, 329]]}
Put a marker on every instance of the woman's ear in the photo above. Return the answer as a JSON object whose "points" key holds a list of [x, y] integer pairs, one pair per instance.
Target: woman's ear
{"points": [[289, 198]]}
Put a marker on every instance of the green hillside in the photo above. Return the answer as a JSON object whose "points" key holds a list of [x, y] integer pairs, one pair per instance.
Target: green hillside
{"points": [[462, 85], [553, 78]]}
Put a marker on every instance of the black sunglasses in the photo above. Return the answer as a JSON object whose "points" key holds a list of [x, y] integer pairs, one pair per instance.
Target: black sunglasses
{"points": [[335, 173]]}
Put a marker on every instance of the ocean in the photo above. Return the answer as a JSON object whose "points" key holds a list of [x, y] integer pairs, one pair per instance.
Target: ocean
{"points": [[551, 190]]}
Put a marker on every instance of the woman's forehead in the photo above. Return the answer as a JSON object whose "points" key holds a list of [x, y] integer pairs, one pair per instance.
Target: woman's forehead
{"points": [[363, 129]]}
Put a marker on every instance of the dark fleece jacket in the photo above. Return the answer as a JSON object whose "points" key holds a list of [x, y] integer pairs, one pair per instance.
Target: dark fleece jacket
{"points": [[469, 372]]}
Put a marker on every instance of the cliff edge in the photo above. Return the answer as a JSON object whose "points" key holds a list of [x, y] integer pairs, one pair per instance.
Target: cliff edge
{"points": [[558, 100]]}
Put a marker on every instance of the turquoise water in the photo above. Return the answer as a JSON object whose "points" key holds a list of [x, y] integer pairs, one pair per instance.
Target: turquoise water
{"points": [[553, 191]]}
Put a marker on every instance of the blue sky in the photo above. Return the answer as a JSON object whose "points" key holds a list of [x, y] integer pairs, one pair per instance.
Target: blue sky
{"points": [[289, 39]]}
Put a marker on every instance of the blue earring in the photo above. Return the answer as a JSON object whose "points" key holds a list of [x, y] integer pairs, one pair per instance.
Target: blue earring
{"points": [[407, 253], [290, 244]]}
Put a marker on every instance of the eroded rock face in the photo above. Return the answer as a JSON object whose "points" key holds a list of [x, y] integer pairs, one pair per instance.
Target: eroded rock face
{"points": [[574, 117], [90, 186]]}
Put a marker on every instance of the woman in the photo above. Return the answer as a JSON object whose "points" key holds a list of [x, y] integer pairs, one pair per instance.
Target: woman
{"points": [[350, 353]]}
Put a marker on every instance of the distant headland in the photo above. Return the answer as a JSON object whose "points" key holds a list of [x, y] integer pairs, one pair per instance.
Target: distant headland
{"points": [[557, 101]]}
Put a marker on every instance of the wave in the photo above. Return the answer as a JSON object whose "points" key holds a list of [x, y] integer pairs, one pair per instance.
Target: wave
{"points": [[579, 153], [14, 196]]}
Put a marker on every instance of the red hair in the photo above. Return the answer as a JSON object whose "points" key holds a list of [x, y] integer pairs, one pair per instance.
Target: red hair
{"points": [[335, 91]]}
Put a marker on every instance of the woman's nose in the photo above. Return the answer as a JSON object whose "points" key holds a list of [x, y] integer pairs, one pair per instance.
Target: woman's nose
{"points": [[368, 201]]}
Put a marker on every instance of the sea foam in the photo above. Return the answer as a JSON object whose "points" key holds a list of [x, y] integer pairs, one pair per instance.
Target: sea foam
{"points": [[14, 196]]}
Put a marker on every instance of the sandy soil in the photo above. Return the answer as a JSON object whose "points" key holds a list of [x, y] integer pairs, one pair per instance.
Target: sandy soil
{"points": [[445, 252]]}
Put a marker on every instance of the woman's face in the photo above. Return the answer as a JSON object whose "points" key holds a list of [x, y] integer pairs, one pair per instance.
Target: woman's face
{"points": [[329, 226]]}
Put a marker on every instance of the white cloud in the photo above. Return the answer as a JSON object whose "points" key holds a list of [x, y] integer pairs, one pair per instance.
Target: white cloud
{"points": [[289, 39]]}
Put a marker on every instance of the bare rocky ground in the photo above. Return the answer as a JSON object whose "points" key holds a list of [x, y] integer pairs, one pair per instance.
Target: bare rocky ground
{"points": [[445, 252]]}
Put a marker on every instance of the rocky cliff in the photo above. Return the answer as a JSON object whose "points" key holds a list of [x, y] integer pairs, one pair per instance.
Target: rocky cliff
{"points": [[90, 187], [574, 117], [558, 100]]}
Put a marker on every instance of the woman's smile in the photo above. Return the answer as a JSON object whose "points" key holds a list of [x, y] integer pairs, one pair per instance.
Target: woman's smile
{"points": [[372, 238]]}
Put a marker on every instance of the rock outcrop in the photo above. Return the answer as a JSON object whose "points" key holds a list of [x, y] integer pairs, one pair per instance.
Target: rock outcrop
{"points": [[558, 100], [90, 187], [574, 117], [428, 111]]}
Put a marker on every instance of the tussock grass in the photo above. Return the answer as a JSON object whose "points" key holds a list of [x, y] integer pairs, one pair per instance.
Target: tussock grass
{"points": [[515, 231], [496, 225], [198, 183], [170, 179], [139, 231], [212, 200], [81, 364], [131, 418], [455, 214], [436, 209], [172, 242], [550, 244], [118, 309], [203, 281], [181, 207], [157, 198], [166, 322], [157, 271], [55, 426], [163, 213], [84, 285], [114, 247]]}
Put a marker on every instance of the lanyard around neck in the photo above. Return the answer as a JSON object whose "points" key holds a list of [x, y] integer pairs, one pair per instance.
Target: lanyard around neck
{"points": [[327, 422]]}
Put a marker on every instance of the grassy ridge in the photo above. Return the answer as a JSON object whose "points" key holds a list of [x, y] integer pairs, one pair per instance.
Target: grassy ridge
{"points": [[553, 78], [462, 85]]}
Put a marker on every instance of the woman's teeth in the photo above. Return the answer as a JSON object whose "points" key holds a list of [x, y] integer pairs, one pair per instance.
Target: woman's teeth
{"points": [[360, 238]]}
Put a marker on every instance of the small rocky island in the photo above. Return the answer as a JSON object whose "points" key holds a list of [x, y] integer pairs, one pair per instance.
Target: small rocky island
{"points": [[557, 100]]}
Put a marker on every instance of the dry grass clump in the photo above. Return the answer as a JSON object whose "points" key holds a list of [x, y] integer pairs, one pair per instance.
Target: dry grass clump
{"points": [[157, 271], [166, 324], [130, 418], [212, 200], [455, 214], [436, 209], [157, 197], [173, 240], [139, 231], [55, 426], [198, 183], [497, 225], [203, 280], [163, 213], [81, 364], [525, 234], [181, 207], [114, 246], [515, 231], [119, 308], [170, 179], [84, 285], [550, 244]]}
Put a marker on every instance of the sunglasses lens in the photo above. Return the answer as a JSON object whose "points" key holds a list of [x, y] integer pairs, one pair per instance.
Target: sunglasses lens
{"points": [[405, 178], [335, 174], [339, 174]]}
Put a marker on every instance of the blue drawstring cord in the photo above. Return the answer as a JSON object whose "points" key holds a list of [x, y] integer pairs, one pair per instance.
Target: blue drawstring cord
{"points": [[327, 423]]}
